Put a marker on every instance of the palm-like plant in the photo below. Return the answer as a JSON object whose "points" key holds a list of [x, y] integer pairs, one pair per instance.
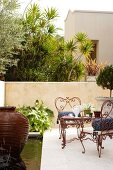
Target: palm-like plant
{"points": [[37, 44], [85, 45], [39, 22], [80, 46]]}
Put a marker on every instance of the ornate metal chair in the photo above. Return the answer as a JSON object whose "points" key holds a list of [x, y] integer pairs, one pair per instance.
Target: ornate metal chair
{"points": [[101, 127], [65, 107]]}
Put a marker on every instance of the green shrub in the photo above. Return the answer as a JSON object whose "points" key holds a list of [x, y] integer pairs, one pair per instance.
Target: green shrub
{"points": [[39, 116]]}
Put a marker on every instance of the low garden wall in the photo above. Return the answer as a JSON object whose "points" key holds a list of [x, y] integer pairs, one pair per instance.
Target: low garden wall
{"points": [[2, 93], [26, 93]]}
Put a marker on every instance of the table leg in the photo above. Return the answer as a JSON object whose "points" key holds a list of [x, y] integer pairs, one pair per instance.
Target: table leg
{"points": [[63, 138]]}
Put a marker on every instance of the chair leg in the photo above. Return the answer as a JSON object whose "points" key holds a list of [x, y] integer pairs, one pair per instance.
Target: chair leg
{"points": [[82, 146], [60, 131], [99, 145]]}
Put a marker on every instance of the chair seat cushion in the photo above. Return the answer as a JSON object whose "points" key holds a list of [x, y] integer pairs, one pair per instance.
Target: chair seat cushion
{"points": [[66, 113], [99, 124]]}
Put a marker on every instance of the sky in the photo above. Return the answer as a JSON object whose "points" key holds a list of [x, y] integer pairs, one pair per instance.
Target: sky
{"points": [[63, 6]]}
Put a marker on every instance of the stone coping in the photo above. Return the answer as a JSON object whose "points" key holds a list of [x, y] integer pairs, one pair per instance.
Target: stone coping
{"points": [[34, 135]]}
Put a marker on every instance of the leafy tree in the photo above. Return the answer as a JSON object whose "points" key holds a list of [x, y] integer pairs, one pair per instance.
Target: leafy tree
{"points": [[10, 33]]}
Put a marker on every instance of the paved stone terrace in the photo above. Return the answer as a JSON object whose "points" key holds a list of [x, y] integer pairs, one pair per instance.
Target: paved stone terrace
{"points": [[71, 157]]}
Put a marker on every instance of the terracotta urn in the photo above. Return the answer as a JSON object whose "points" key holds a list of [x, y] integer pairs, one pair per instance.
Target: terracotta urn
{"points": [[13, 131], [97, 114]]}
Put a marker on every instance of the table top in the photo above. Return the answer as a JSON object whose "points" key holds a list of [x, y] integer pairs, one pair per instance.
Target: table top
{"points": [[78, 122], [77, 118]]}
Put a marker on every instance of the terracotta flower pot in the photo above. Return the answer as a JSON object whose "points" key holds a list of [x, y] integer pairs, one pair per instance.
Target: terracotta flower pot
{"points": [[13, 131], [97, 114]]}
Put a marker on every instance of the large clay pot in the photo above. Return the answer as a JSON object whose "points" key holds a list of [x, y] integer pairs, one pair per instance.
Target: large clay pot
{"points": [[97, 114], [13, 131]]}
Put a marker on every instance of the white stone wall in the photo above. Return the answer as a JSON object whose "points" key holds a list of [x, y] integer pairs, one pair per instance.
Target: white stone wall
{"points": [[98, 26]]}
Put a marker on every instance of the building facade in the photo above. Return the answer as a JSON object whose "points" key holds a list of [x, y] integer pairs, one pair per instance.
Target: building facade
{"points": [[98, 25]]}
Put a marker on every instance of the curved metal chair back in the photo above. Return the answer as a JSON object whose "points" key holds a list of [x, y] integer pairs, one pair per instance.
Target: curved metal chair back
{"points": [[64, 108], [107, 109], [63, 104]]}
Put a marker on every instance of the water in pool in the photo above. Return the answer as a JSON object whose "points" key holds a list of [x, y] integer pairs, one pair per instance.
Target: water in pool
{"points": [[31, 154]]}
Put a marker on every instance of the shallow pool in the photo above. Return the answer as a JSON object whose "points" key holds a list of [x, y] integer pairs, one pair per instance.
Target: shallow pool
{"points": [[31, 154]]}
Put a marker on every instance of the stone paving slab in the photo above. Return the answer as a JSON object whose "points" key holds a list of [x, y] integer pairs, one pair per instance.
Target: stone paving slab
{"points": [[71, 157]]}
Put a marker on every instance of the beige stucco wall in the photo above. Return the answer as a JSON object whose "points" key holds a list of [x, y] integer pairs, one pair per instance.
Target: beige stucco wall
{"points": [[19, 93], [98, 26], [2, 93]]}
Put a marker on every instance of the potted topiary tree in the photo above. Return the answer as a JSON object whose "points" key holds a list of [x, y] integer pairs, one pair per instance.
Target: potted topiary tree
{"points": [[105, 80]]}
